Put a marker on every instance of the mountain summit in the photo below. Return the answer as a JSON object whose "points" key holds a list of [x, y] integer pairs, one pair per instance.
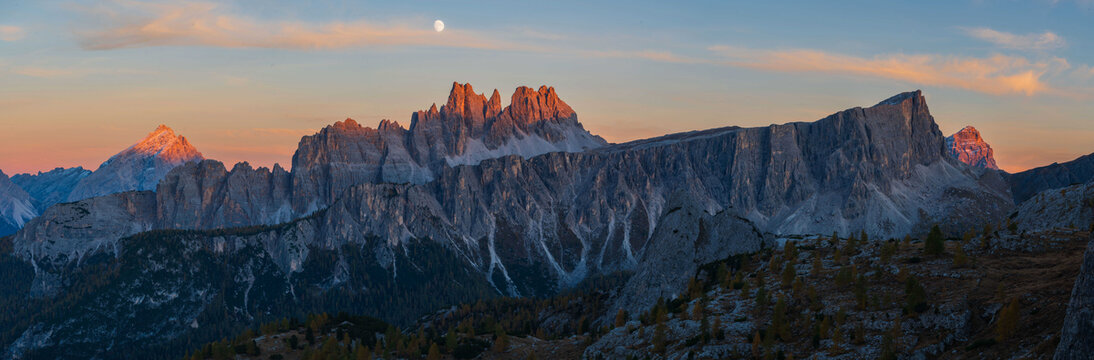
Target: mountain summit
{"points": [[968, 147], [139, 167]]}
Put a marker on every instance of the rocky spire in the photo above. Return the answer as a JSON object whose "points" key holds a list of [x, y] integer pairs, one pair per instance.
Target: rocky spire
{"points": [[968, 147]]}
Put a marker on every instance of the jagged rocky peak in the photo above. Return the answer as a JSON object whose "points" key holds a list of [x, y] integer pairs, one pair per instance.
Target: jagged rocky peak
{"points": [[529, 105], [138, 167], [967, 146], [167, 146]]}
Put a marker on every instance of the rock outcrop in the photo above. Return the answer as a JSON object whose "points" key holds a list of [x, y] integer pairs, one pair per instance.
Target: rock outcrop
{"points": [[687, 237], [968, 147], [48, 188], [1068, 207], [68, 232], [15, 206], [139, 167], [535, 225], [1078, 326], [1026, 184]]}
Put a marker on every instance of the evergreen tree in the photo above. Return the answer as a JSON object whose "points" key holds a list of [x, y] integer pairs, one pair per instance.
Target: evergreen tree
{"points": [[959, 257], [434, 352], [659, 338], [450, 339], [1007, 323], [501, 340], [788, 275], [719, 332], [935, 244], [620, 318], [915, 295]]}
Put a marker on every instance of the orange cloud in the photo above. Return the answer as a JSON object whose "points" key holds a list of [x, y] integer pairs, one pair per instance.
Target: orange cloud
{"points": [[206, 24], [997, 74]]}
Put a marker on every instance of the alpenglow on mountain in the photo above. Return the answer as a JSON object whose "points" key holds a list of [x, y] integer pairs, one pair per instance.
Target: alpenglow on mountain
{"points": [[369, 213], [967, 146], [139, 167]]}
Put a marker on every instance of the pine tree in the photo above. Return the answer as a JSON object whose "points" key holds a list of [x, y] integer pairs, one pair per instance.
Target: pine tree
{"points": [[719, 332], [659, 338], [450, 339], [788, 275], [935, 244], [779, 321], [361, 353], [915, 295], [620, 318], [1008, 321], [756, 344], [434, 352], [959, 257], [501, 340]]}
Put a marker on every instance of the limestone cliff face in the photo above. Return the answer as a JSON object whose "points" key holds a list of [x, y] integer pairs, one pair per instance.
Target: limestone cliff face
{"points": [[532, 225], [1078, 326], [68, 232], [469, 128], [139, 167], [968, 147], [205, 195]]}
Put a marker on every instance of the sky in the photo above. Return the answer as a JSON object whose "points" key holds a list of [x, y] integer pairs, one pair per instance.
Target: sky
{"points": [[244, 80]]}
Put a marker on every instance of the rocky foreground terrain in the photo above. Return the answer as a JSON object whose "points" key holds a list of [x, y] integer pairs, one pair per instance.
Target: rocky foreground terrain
{"points": [[817, 298]]}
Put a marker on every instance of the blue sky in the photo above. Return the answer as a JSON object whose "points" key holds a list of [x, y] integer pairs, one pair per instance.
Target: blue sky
{"points": [[243, 80]]}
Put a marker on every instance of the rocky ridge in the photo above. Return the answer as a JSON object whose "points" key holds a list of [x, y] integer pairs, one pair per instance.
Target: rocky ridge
{"points": [[15, 206], [48, 188], [1026, 184], [534, 225]]}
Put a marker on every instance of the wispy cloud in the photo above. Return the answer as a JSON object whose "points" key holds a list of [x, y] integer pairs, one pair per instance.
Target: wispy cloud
{"points": [[11, 33], [70, 72], [1043, 41], [136, 24], [653, 55], [997, 74]]}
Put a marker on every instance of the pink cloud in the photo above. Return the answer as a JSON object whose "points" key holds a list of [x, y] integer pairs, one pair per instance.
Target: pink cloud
{"points": [[207, 24], [996, 74]]}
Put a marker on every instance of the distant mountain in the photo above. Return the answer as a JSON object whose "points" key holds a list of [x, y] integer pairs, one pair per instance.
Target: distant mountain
{"points": [[15, 206], [48, 188], [139, 167], [370, 205], [967, 146], [1026, 184]]}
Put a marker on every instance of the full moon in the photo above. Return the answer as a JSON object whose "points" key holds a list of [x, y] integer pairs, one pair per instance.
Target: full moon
{"points": [[438, 25]]}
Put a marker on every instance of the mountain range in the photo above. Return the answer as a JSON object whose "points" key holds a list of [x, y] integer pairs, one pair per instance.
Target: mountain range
{"points": [[518, 200]]}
